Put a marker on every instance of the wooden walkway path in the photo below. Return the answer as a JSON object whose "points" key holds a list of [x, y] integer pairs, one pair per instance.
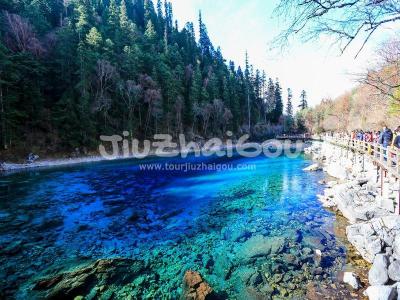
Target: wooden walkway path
{"points": [[388, 159], [295, 137]]}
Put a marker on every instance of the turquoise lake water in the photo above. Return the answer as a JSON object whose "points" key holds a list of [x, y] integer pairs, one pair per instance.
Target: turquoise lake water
{"points": [[215, 223]]}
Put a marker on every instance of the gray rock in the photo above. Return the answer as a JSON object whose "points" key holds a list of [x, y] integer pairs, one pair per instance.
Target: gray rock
{"points": [[223, 265], [396, 246], [397, 287], [394, 271], [374, 246], [313, 168], [378, 275], [363, 238], [337, 171], [352, 279], [370, 237], [255, 279], [381, 292], [362, 181], [32, 158], [243, 274], [260, 245], [307, 251]]}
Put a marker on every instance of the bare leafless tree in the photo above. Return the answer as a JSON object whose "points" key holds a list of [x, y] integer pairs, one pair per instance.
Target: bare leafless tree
{"points": [[384, 77], [206, 112], [106, 74], [226, 118], [2, 114], [345, 20], [178, 107], [152, 97], [20, 36], [130, 93], [217, 112]]}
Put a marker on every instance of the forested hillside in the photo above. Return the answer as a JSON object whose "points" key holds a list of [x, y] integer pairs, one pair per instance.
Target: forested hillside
{"points": [[363, 108], [72, 70]]}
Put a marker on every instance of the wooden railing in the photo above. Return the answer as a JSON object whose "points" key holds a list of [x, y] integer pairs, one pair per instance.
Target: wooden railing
{"points": [[304, 136], [387, 158]]}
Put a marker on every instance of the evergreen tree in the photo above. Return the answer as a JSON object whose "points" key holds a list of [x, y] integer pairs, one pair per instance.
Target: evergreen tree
{"points": [[123, 16], [93, 38], [303, 100], [159, 10], [289, 105], [138, 13], [289, 121], [150, 32], [113, 15], [82, 11], [161, 20], [206, 47], [278, 109], [270, 105]]}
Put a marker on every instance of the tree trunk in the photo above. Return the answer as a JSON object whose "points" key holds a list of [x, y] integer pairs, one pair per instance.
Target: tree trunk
{"points": [[3, 119], [147, 121]]}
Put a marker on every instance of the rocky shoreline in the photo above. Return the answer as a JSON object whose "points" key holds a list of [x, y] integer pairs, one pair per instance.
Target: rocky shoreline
{"points": [[369, 203]]}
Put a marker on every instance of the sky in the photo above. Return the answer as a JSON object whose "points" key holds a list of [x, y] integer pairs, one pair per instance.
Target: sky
{"points": [[240, 25]]}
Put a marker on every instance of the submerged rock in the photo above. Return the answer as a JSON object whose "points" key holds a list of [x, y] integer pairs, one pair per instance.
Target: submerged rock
{"points": [[223, 265], [81, 281], [259, 245], [171, 214], [13, 248], [195, 288]]}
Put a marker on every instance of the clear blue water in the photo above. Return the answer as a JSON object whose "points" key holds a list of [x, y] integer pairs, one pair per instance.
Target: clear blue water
{"points": [[52, 220]]}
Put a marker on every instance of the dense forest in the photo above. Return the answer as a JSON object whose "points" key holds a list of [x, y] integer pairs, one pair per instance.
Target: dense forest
{"points": [[73, 70]]}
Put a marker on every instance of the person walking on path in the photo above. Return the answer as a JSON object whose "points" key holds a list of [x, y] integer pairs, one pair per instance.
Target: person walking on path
{"points": [[377, 134], [386, 137], [396, 139]]}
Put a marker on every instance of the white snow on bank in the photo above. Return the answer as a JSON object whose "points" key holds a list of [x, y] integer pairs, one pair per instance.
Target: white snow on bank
{"points": [[49, 163]]}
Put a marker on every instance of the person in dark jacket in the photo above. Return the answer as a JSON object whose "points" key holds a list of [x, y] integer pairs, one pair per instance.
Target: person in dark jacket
{"points": [[396, 141], [386, 137]]}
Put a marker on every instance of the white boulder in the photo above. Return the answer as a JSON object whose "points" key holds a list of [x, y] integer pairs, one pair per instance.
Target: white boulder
{"points": [[313, 168], [352, 279], [396, 246], [381, 292], [394, 270], [378, 275]]}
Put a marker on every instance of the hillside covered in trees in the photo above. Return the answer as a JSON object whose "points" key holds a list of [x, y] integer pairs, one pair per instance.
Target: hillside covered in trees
{"points": [[73, 70]]}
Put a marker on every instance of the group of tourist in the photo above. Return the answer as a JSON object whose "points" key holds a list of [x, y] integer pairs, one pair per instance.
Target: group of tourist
{"points": [[386, 137]]}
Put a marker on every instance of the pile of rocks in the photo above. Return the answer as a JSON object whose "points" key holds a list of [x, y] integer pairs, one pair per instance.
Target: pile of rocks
{"points": [[195, 288], [371, 209]]}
